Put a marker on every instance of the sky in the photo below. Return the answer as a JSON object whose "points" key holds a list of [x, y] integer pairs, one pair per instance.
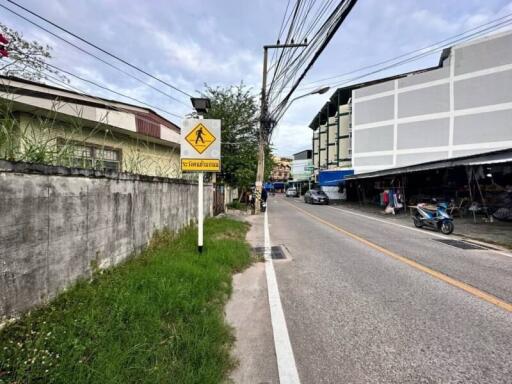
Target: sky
{"points": [[190, 43]]}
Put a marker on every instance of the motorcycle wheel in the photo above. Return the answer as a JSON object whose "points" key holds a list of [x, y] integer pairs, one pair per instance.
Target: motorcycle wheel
{"points": [[447, 227], [417, 222]]}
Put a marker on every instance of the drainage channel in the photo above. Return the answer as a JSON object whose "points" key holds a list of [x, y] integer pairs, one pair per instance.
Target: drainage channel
{"points": [[276, 252], [462, 244]]}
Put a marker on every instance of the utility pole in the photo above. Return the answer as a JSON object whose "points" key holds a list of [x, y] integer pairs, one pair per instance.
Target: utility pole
{"points": [[265, 122]]}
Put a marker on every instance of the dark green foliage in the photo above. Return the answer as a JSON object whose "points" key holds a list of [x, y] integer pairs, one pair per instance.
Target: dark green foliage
{"points": [[236, 106], [237, 205]]}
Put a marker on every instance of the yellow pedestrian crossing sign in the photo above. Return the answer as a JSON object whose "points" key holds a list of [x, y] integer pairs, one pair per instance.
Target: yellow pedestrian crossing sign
{"points": [[200, 145], [200, 138]]}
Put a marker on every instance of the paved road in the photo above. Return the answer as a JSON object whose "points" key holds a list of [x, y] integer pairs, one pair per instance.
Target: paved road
{"points": [[357, 314]]}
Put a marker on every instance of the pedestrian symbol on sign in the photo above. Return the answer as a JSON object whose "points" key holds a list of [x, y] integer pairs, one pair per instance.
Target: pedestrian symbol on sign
{"points": [[199, 135], [200, 138]]}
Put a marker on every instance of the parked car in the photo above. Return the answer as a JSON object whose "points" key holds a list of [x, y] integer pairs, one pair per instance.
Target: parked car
{"points": [[316, 197], [292, 192]]}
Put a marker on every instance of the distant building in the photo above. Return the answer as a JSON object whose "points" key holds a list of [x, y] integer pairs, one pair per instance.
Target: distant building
{"points": [[461, 107], [332, 134], [62, 127], [282, 169], [301, 166]]}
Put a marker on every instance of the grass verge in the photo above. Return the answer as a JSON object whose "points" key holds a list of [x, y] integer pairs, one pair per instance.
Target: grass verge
{"points": [[158, 318], [238, 205]]}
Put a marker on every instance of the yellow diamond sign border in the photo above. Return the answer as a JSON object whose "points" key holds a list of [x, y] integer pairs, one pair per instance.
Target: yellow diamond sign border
{"points": [[190, 139]]}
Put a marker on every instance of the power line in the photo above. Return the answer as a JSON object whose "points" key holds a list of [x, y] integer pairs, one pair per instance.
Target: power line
{"points": [[100, 49], [55, 80], [422, 55], [99, 86], [111, 90], [324, 35], [293, 61], [280, 30], [93, 55], [425, 51], [294, 65], [282, 22], [296, 8], [408, 53]]}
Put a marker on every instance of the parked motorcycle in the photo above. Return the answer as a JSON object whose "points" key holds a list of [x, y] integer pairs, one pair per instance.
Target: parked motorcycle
{"points": [[439, 219], [252, 202]]}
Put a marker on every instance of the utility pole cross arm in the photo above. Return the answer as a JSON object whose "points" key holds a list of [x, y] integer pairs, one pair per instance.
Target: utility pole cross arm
{"points": [[265, 123]]}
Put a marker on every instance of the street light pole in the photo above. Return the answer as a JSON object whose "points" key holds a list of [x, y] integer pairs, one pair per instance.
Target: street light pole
{"points": [[201, 106], [265, 122]]}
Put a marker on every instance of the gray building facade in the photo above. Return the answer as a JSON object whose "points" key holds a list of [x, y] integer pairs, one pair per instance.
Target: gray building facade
{"points": [[331, 142], [461, 107]]}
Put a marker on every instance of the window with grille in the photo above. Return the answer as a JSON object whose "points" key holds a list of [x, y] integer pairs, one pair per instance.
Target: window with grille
{"points": [[108, 158], [84, 155]]}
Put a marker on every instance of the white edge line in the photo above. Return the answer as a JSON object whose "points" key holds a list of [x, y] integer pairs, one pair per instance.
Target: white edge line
{"points": [[350, 212], [286, 366]]}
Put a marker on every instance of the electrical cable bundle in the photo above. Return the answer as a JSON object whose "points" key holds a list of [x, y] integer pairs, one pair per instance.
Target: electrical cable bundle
{"points": [[358, 74], [411, 56], [308, 21]]}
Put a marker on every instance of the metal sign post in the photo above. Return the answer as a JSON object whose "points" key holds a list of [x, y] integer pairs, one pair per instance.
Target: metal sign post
{"points": [[200, 152], [200, 215]]}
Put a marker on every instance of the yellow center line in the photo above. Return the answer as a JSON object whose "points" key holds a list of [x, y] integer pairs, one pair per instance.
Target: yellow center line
{"points": [[438, 275]]}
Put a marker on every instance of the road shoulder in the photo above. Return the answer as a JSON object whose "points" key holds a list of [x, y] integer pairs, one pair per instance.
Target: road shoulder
{"points": [[248, 313]]}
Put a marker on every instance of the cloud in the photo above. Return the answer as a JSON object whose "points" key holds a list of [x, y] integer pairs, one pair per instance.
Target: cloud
{"points": [[205, 56], [189, 43], [135, 90], [427, 19], [190, 56], [291, 138]]}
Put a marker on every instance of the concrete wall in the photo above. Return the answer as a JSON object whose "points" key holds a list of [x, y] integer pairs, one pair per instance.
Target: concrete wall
{"points": [[463, 107], [59, 223], [230, 194]]}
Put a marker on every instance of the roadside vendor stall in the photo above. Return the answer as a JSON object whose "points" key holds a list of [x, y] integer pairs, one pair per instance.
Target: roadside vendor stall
{"points": [[478, 185]]}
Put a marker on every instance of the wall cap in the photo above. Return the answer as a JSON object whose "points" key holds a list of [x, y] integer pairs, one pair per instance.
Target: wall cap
{"points": [[57, 170]]}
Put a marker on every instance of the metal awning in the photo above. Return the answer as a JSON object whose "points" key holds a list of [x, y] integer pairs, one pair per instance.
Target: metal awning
{"points": [[333, 183], [494, 157]]}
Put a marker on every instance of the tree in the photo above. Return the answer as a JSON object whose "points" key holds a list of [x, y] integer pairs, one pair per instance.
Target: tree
{"points": [[236, 106], [27, 59]]}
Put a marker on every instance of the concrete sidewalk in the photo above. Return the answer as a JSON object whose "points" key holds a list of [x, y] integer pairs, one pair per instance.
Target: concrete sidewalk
{"points": [[498, 232], [248, 313]]}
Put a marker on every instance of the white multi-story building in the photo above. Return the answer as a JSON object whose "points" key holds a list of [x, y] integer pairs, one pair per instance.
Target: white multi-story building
{"points": [[461, 107]]}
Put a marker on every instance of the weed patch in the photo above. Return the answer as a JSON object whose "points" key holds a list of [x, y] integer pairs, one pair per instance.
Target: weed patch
{"points": [[158, 318]]}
